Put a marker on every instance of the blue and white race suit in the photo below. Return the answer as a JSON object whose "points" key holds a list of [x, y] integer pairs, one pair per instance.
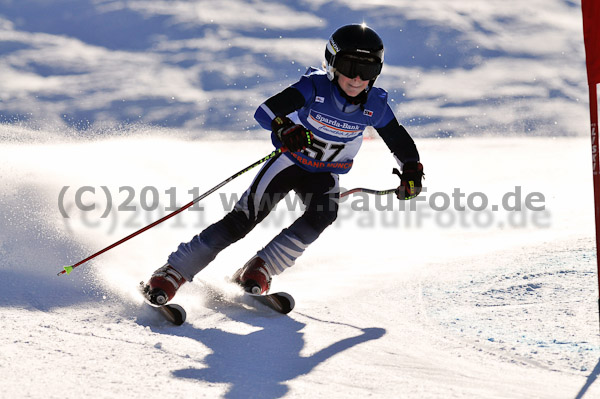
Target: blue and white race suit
{"points": [[337, 125]]}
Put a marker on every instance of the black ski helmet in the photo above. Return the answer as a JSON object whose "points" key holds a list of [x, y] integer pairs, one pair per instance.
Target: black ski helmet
{"points": [[354, 50]]}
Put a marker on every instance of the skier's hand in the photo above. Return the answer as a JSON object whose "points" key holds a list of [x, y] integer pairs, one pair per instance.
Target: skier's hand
{"points": [[410, 180], [294, 137]]}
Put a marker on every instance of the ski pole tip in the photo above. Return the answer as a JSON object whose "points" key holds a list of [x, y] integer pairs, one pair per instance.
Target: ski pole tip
{"points": [[66, 269]]}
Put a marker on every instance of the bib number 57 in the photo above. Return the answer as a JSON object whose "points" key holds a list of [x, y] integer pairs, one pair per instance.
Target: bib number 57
{"points": [[323, 151]]}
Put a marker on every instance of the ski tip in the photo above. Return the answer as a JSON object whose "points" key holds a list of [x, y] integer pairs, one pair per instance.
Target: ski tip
{"points": [[178, 313], [291, 303]]}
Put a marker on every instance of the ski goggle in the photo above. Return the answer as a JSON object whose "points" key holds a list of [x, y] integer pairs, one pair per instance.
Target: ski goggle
{"points": [[352, 66]]}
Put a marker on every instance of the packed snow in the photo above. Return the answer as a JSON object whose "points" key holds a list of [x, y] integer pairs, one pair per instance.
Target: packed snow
{"points": [[451, 68], [484, 286]]}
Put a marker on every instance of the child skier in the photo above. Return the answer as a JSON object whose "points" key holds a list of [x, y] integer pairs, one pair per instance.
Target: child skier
{"points": [[320, 121]]}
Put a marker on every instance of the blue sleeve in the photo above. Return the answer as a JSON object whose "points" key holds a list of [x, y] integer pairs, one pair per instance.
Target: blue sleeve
{"points": [[387, 116], [264, 116]]}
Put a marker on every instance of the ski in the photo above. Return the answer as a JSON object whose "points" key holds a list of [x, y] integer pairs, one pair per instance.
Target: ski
{"points": [[281, 302], [174, 314]]}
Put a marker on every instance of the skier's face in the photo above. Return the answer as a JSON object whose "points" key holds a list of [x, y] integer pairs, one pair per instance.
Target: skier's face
{"points": [[352, 86]]}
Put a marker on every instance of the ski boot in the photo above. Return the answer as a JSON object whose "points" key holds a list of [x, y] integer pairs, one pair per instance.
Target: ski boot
{"points": [[254, 277], [163, 285]]}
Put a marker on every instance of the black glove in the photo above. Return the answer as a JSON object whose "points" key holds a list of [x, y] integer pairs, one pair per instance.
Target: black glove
{"points": [[410, 180], [294, 137]]}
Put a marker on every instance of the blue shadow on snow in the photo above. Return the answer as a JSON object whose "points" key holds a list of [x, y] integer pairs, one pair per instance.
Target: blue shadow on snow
{"points": [[257, 365]]}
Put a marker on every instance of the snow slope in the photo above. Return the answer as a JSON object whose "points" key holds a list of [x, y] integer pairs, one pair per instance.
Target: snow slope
{"points": [[390, 303], [452, 68]]}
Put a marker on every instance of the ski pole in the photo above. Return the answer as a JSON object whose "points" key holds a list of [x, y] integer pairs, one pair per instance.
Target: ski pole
{"points": [[368, 191], [374, 192], [274, 154]]}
